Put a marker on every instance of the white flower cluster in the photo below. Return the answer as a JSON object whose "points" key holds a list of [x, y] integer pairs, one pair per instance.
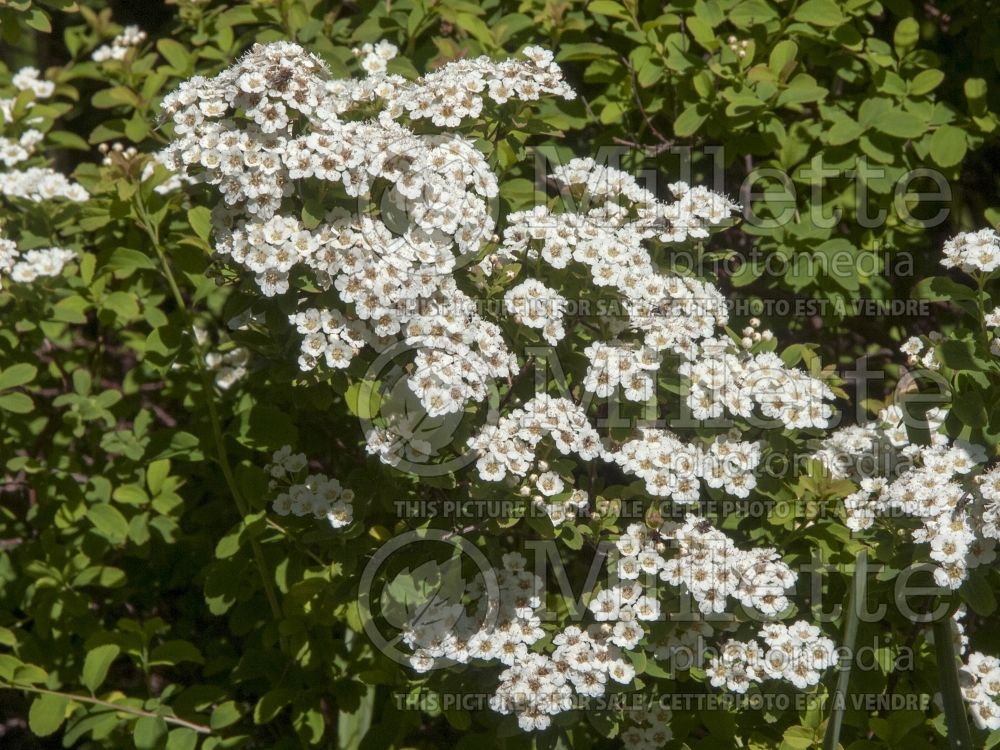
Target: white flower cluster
{"points": [[493, 631], [711, 567], [36, 183], [535, 305], [509, 446], [25, 267], [649, 730], [230, 367], [973, 251], [375, 57], [672, 468], [705, 562], [314, 495], [933, 483], [15, 151], [459, 90], [615, 216], [737, 382], [913, 348], [794, 653], [738, 46], [540, 686], [634, 369], [671, 312], [534, 686], [558, 505], [40, 184], [327, 336], [130, 36], [982, 691], [29, 79], [275, 120], [852, 452], [989, 488], [584, 660]]}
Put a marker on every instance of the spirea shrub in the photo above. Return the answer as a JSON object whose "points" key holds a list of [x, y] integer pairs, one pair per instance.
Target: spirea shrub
{"points": [[376, 377]]}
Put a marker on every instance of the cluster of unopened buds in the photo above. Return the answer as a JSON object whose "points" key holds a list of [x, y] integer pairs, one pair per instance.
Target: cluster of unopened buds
{"points": [[301, 494], [752, 335], [739, 46]]}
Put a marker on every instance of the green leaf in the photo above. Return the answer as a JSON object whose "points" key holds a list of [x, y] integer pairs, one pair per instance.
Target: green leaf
{"points": [[224, 715], [948, 145], [906, 35], [200, 219], [363, 399], [608, 8], [819, 13], [175, 53], [900, 124], [975, 89], [71, 309], [127, 259], [16, 375], [783, 53], [148, 731], [175, 652], [585, 51], [271, 704], [96, 665], [122, 304], [925, 82], [156, 474], [977, 593], [843, 131], [690, 120], [38, 20], [47, 714], [182, 739], [16, 403], [958, 355], [109, 521]]}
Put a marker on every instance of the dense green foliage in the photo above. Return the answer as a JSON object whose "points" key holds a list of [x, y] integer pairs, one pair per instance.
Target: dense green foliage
{"points": [[149, 598]]}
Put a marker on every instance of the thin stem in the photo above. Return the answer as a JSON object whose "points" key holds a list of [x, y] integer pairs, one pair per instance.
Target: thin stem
{"points": [[200, 728], [291, 537], [959, 737], [208, 392], [851, 619], [983, 328]]}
